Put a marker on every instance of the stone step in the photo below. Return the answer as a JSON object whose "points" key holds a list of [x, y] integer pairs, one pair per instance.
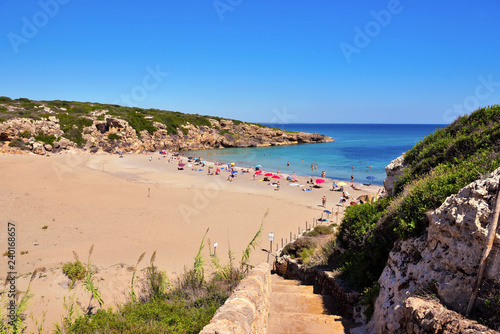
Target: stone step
{"points": [[295, 308], [300, 302], [298, 323]]}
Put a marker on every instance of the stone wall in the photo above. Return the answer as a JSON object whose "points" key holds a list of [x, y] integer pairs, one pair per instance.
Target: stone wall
{"points": [[247, 309], [324, 281]]}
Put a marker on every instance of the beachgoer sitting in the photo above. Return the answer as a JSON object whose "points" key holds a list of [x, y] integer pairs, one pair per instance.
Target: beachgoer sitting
{"points": [[266, 179]]}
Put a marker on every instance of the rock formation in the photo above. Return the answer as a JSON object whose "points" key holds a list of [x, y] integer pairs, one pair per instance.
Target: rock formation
{"points": [[394, 171], [442, 266], [113, 135]]}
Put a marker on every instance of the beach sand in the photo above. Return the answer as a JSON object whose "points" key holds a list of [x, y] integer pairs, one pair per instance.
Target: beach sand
{"points": [[127, 206]]}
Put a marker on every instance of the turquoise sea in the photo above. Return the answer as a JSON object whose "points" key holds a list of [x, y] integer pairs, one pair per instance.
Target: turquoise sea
{"points": [[358, 145]]}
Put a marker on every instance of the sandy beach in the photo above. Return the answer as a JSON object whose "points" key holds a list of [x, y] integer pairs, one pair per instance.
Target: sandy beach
{"points": [[127, 206]]}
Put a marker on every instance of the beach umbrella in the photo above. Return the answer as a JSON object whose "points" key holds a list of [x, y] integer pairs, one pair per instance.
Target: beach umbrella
{"points": [[268, 174], [235, 171], [327, 212], [276, 177], [190, 157], [258, 166], [181, 164], [320, 181], [371, 178], [258, 172], [342, 184], [189, 165], [232, 164]]}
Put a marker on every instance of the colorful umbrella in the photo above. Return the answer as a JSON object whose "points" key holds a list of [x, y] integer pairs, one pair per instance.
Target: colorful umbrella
{"points": [[320, 181], [371, 178], [268, 174], [342, 184], [276, 177], [258, 172], [181, 164]]}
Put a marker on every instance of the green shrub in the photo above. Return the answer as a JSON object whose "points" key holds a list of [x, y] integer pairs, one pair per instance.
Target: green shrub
{"points": [[46, 139], [320, 230], [73, 127], [74, 270], [295, 248], [368, 298], [113, 136], [19, 143]]}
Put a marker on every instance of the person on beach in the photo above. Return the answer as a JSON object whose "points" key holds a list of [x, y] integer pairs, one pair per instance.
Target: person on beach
{"points": [[278, 186], [352, 179], [323, 200], [288, 164], [312, 168]]}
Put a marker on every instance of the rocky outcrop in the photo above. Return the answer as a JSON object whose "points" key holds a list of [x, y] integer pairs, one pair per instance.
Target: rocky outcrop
{"points": [[246, 310], [422, 316], [394, 171], [443, 263], [113, 135]]}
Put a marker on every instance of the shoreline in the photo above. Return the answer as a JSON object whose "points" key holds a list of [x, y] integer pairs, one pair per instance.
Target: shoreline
{"points": [[127, 206]]}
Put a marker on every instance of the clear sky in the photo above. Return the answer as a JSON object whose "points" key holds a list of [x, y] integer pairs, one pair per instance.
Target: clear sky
{"points": [[351, 61]]}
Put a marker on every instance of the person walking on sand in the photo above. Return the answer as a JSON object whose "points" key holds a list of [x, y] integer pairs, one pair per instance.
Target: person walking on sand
{"points": [[278, 186], [323, 200]]}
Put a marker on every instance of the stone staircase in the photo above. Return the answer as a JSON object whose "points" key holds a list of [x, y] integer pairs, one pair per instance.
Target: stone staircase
{"points": [[296, 309]]}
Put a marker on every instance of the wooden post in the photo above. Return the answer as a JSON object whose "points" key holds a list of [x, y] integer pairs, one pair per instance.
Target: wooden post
{"points": [[290, 236], [306, 225], [281, 242], [149, 192]]}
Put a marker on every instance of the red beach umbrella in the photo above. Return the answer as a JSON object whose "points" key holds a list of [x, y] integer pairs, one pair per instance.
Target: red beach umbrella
{"points": [[276, 177], [320, 181], [268, 174], [258, 172]]}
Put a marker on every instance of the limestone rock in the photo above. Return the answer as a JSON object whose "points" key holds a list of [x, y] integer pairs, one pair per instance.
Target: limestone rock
{"points": [[432, 317], [394, 171], [444, 261]]}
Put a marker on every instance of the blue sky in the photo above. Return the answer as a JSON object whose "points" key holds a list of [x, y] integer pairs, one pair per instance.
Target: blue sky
{"points": [[346, 61]]}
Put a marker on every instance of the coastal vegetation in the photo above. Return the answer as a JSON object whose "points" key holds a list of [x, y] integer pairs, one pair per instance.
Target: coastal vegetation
{"points": [[72, 115], [437, 167], [158, 305]]}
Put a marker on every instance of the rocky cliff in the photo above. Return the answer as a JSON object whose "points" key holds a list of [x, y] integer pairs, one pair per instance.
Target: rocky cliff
{"points": [[441, 267], [394, 171], [110, 134]]}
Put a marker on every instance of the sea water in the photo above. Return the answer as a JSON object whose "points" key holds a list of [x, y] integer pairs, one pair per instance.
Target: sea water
{"points": [[360, 150]]}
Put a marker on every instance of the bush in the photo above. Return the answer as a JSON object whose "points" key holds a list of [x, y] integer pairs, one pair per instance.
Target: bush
{"points": [[320, 230], [73, 127], [113, 136], [294, 249], [45, 139], [19, 143], [74, 270]]}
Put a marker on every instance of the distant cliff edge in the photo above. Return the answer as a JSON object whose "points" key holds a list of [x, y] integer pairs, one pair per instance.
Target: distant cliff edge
{"points": [[55, 126]]}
